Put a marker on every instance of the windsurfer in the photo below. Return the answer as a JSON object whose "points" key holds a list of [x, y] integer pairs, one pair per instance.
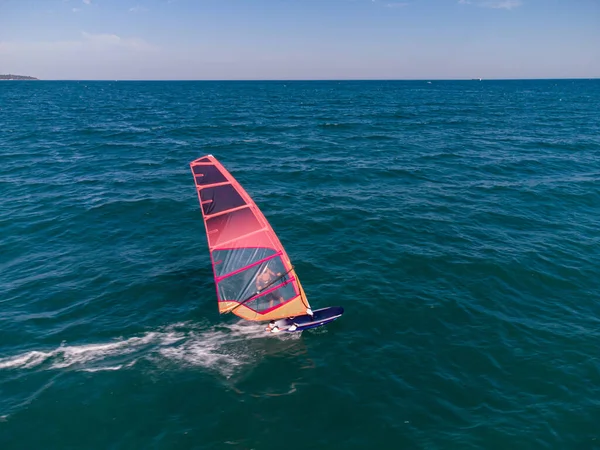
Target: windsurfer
{"points": [[263, 280], [272, 327]]}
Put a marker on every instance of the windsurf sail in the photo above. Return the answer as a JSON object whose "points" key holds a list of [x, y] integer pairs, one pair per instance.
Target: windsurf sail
{"points": [[253, 274]]}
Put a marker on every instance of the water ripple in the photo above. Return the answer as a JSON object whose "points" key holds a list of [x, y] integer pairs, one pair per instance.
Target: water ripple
{"points": [[455, 221]]}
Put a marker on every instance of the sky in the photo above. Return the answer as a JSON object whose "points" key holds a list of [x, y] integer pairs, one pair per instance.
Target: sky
{"points": [[300, 39]]}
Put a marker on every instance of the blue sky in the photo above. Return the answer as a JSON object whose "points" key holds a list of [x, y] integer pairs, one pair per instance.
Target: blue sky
{"points": [[300, 39]]}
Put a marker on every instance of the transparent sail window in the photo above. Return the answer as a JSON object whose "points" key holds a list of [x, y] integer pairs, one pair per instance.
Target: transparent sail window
{"points": [[227, 261], [273, 298], [243, 285]]}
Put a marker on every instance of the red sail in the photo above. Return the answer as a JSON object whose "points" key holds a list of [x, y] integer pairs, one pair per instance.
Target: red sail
{"points": [[253, 274]]}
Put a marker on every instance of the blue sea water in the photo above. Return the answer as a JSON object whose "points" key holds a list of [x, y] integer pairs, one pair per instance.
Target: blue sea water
{"points": [[455, 221]]}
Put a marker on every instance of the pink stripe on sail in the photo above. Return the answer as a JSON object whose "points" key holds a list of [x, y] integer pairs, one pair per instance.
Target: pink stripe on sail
{"points": [[271, 289]]}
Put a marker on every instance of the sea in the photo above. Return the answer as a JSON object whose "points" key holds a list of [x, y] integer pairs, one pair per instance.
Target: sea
{"points": [[456, 222]]}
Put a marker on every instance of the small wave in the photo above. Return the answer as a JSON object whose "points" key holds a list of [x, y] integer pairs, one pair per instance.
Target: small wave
{"points": [[24, 361], [100, 369], [343, 126]]}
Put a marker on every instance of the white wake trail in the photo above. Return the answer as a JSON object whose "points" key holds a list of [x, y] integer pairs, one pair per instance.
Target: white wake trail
{"points": [[222, 348]]}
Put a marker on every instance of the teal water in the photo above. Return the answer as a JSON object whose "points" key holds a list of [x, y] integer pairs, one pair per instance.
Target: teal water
{"points": [[456, 222]]}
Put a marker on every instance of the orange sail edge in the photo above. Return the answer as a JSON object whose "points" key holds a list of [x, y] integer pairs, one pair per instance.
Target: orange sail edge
{"points": [[297, 306], [291, 308], [242, 243]]}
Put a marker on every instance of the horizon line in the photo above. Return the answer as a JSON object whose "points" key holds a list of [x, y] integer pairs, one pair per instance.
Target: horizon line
{"points": [[314, 79]]}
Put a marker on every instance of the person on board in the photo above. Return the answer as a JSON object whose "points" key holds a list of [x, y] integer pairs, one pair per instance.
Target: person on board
{"points": [[274, 328], [263, 281]]}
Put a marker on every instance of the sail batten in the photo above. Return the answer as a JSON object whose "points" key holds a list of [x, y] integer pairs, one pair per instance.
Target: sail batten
{"points": [[247, 267], [253, 274], [229, 210], [224, 183]]}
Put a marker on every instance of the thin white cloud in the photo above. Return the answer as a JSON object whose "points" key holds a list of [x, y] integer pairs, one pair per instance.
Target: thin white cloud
{"points": [[504, 4], [111, 39], [137, 9], [104, 41], [87, 2], [88, 43], [88, 56], [494, 4], [76, 10], [391, 4]]}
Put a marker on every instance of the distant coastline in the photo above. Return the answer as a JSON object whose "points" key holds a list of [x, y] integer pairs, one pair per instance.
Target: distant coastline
{"points": [[16, 77]]}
